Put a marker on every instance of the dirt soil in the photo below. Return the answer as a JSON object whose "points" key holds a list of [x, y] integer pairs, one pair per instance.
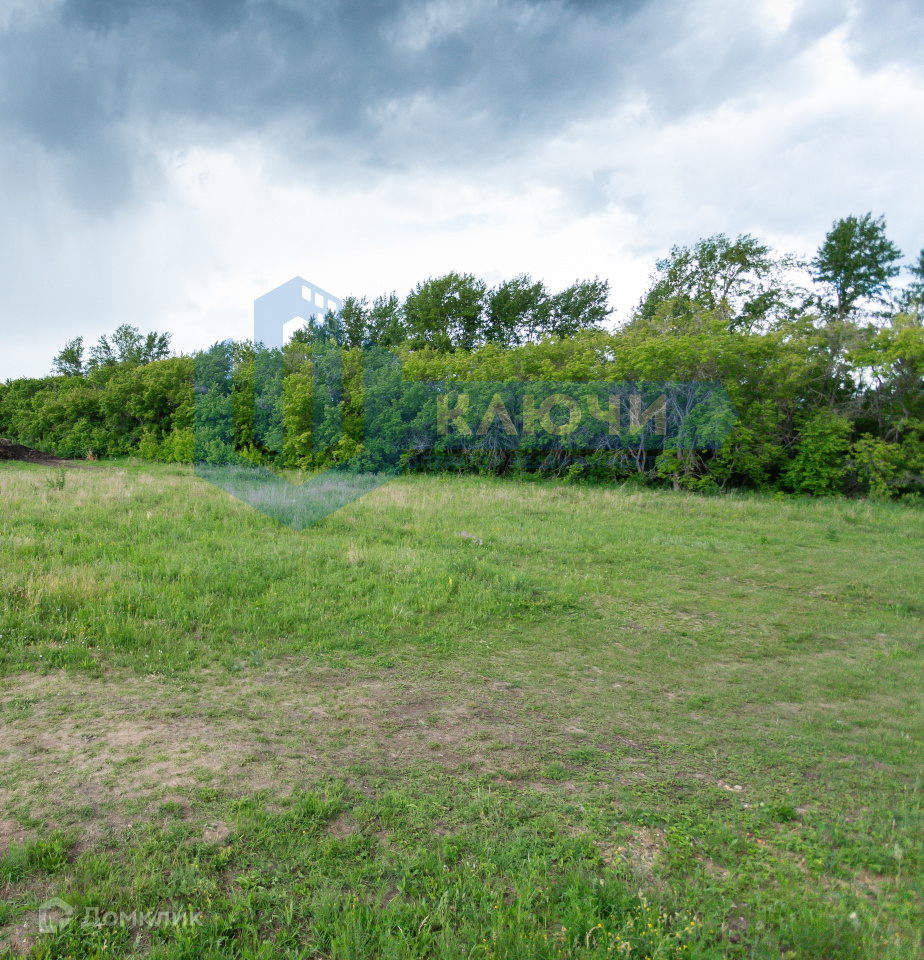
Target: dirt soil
{"points": [[104, 751], [16, 451]]}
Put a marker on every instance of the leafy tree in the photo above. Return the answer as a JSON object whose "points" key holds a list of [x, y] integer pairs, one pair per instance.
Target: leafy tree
{"points": [[303, 336], [582, 306], [518, 310], [328, 329], [892, 359], [822, 408], [386, 321], [127, 345], [739, 279], [913, 297], [889, 469], [354, 319], [446, 312], [69, 362], [108, 354], [521, 310], [857, 260], [359, 325]]}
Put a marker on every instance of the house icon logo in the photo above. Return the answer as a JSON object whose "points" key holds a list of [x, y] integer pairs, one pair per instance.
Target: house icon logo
{"points": [[295, 302], [54, 915]]}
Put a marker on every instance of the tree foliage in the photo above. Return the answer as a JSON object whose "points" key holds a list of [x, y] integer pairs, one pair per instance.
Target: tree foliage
{"points": [[912, 300], [69, 362], [740, 279], [459, 312], [445, 313], [857, 260]]}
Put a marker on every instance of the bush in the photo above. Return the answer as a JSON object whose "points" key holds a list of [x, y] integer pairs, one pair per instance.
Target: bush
{"points": [[819, 465], [891, 469]]}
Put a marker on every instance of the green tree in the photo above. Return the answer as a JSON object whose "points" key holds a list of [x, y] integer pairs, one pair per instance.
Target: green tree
{"points": [[892, 360], [354, 320], [819, 465], [360, 325], [857, 261], [517, 310], [582, 306], [387, 326], [127, 345], [69, 362], [739, 279], [301, 337], [890, 469], [446, 313], [913, 298]]}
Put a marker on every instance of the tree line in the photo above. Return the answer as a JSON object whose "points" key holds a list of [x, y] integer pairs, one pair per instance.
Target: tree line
{"points": [[823, 359]]}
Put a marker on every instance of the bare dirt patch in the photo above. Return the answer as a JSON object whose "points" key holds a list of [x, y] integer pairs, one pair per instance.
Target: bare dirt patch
{"points": [[216, 832], [16, 451], [642, 850], [11, 832], [343, 826], [20, 939], [96, 754]]}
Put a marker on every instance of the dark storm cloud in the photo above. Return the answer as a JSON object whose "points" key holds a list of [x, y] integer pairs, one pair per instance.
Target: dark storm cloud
{"points": [[355, 84]]}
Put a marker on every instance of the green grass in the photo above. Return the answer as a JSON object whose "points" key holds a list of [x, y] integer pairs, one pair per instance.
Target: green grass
{"points": [[603, 723]]}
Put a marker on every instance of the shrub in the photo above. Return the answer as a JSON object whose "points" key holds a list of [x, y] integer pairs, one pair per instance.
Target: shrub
{"points": [[819, 465], [891, 469]]}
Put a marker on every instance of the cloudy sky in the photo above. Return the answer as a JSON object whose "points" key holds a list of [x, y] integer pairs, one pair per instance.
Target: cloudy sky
{"points": [[164, 162]]}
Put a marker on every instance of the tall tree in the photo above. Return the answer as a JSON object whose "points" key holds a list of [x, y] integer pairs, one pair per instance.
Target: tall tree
{"points": [[581, 306], [857, 261], [913, 296], [387, 326], [446, 312], [69, 362], [739, 278], [354, 322], [517, 310], [127, 345], [357, 324]]}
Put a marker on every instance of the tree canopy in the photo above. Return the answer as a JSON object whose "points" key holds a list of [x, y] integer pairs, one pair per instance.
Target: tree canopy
{"points": [[741, 279], [856, 261], [912, 299]]}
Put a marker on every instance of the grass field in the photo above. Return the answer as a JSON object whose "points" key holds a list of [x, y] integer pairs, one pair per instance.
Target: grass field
{"points": [[458, 718]]}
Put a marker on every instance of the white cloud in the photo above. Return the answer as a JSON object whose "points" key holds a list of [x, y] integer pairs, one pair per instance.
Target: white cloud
{"points": [[779, 13]]}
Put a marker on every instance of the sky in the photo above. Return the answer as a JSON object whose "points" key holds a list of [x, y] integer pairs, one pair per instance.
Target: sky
{"points": [[164, 163]]}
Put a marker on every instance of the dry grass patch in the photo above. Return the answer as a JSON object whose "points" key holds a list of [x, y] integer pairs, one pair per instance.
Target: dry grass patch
{"points": [[85, 751]]}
